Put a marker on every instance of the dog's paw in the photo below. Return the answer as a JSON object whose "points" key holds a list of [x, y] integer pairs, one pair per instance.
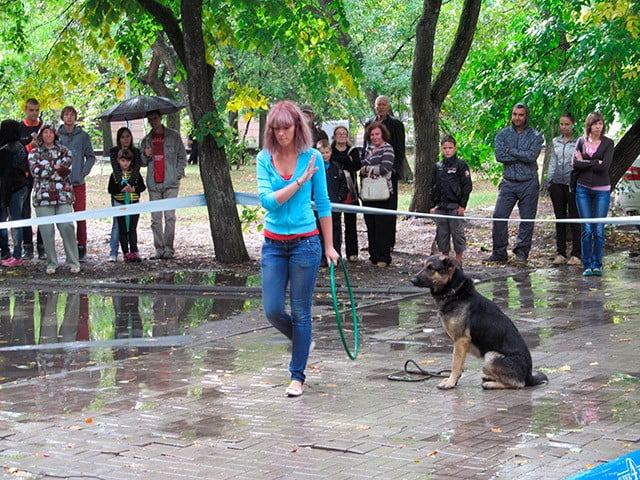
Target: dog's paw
{"points": [[447, 384]]}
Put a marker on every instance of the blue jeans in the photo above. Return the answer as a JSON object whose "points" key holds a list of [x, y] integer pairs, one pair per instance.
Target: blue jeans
{"points": [[294, 265], [592, 204], [114, 242], [14, 212]]}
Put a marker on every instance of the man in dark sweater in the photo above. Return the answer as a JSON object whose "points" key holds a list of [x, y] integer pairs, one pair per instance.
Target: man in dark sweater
{"points": [[28, 131], [316, 132], [517, 147]]}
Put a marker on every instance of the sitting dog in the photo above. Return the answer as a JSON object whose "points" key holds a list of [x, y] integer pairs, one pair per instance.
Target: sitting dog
{"points": [[477, 325]]}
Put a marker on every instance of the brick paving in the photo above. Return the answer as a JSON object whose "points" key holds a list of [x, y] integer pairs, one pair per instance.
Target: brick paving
{"points": [[216, 409]]}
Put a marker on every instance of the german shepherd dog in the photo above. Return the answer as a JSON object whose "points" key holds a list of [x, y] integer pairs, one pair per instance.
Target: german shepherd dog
{"points": [[476, 325]]}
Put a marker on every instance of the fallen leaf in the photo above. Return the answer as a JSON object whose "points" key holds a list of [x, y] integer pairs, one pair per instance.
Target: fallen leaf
{"points": [[363, 427], [89, 420], [432, 453], [496, 430], [294, 449]]}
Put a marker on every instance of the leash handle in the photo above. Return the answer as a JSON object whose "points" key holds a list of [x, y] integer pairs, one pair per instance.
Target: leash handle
{"points": [[336, 309]]}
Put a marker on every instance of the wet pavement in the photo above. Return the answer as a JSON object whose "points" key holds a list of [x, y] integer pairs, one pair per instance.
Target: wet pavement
{"points": [[204, 400]]}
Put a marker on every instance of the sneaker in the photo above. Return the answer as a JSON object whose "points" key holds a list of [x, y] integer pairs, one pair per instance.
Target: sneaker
{"points": [[574, 261], [82, 253], [134, 257], [520, 260], [294, 391], [51, 270], [596, 272], [12, 262], [27, 251], [587, 272], [42, 255], [156, 256], [496, 259], [559, 260], [170, 255], [74, 270], [382, 264], [353, 258], [113, 258]]}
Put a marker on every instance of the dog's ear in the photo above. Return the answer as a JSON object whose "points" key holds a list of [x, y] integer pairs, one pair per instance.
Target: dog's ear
{"points": [[449, 263]]}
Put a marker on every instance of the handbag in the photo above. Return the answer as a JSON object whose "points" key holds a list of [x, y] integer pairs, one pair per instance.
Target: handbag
{"points": [[374, 189]]}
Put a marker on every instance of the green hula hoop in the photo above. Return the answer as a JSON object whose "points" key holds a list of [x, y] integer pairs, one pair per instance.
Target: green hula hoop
{"points": [[336, 309]]}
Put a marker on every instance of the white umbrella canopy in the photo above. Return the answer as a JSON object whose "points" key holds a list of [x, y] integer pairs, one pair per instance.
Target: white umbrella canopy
{"points": [[138, 107]]}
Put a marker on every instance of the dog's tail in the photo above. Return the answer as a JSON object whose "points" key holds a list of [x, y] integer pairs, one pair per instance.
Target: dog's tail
{"points": [[537, 378]]}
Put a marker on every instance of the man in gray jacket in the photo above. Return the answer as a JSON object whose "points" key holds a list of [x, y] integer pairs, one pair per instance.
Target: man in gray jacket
{"points": [[78, 141], [517, 147], [164, 154]]}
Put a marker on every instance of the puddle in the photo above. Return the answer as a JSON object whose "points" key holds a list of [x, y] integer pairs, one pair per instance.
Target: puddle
{"points": [[45, 332]]}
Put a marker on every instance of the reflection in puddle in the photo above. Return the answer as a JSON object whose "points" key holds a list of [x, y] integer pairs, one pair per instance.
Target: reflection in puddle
{"points": [[45, 332], [537, 302]]}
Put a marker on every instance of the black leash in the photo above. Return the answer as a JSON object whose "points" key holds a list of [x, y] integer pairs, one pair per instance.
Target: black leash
{"points": [[418, 374]]}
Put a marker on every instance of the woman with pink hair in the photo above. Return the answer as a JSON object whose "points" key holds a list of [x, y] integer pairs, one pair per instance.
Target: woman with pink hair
{"points": [[290, 175]]}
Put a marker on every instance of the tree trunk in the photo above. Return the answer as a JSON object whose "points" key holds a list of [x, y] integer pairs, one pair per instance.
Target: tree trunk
{"points": [[428, 94], [214, 171], [550, 128], [107, 137], [625, 153], [427, 149]]}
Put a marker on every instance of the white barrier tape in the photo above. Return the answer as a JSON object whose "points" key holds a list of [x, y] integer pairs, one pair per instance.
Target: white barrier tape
{"points": [[251, 199]]}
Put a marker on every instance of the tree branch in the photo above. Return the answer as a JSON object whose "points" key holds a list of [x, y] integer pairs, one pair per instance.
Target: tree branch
{"points": [[458, 51], [170, 24]]}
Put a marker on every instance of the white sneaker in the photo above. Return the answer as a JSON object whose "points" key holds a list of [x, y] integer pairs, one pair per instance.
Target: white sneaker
{"points": [[113, 258], [574, 261], [559, 260]]}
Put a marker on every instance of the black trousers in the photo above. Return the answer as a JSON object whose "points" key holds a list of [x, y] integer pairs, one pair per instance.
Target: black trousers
{"points": [[564, 206], [380, 231], [128, 236], [350, 233]]}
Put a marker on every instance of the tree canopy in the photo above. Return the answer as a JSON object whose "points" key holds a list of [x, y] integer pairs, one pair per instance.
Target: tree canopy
{"points": [[577, 55]]}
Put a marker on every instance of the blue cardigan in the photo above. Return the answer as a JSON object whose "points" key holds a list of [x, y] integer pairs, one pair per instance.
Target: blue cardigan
{"points": [[295, 216]]}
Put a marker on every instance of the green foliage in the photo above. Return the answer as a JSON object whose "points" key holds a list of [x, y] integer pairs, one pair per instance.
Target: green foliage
{"points": [[250, 216], [555, 56]]}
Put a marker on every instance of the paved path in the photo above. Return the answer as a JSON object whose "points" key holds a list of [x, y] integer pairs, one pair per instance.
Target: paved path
{"points": [[216, 409]]}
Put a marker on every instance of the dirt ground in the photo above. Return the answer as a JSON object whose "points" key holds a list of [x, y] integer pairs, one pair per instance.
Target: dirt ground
{"points": [[194, 250]]}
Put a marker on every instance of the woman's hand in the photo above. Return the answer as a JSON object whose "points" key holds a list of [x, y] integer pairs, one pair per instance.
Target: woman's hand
{"points": [[332, 256], [308, 173], [578, 155]]}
